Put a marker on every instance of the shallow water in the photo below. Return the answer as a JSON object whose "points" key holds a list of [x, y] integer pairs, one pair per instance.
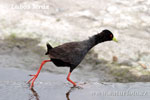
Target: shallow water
{"points": [[54, 86]]}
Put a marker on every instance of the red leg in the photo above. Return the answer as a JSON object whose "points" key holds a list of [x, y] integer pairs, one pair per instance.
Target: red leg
{"points": [[68, 78], [36, 75]]}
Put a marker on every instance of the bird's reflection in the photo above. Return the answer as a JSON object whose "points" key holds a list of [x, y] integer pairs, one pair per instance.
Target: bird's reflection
{"points": [[70, 90], [35, 94], [68, 93]]}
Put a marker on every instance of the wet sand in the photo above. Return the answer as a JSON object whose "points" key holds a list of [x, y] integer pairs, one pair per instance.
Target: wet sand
{"points": [[51, 86]]}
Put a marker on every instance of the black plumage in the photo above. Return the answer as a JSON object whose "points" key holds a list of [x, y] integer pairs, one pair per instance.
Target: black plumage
{"points": [[71, 54]]}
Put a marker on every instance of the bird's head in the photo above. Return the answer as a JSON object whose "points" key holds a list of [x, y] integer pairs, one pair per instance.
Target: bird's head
{"points": [[107, 35]]}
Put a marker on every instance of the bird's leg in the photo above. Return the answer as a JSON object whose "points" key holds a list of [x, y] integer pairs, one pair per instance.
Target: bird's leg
{"points": [[36, 75], [68, 78]]}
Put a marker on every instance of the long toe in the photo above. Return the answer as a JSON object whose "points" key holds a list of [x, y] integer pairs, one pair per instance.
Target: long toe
{"points": [[32, 84], [30, 80]]}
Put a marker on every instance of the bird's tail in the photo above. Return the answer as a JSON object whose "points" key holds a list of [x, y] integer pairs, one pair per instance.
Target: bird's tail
{"points": [[48, 48]]}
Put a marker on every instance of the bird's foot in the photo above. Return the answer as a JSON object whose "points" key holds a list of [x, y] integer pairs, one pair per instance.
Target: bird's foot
{"points": [[36, 75], [32, 79], [80, 86]]}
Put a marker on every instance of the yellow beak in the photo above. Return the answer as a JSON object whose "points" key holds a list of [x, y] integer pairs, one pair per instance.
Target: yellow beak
{"points": [[114, 39]]}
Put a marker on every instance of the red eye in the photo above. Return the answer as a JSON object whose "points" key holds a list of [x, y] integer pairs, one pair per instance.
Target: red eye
{"points": [[111, 36]]}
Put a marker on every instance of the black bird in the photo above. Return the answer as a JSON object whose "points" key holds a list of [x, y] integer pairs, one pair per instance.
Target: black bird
{"points": [[72, 53]]}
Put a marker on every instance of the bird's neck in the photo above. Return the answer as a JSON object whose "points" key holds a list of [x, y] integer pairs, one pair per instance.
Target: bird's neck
{"points": [[96, 39]]}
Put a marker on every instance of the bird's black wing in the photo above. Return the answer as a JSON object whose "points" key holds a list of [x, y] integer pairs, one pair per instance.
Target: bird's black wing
{"points": [[71, 53]]}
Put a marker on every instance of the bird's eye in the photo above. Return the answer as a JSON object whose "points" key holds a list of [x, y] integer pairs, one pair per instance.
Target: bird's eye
{"points": [[110, 36]]}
